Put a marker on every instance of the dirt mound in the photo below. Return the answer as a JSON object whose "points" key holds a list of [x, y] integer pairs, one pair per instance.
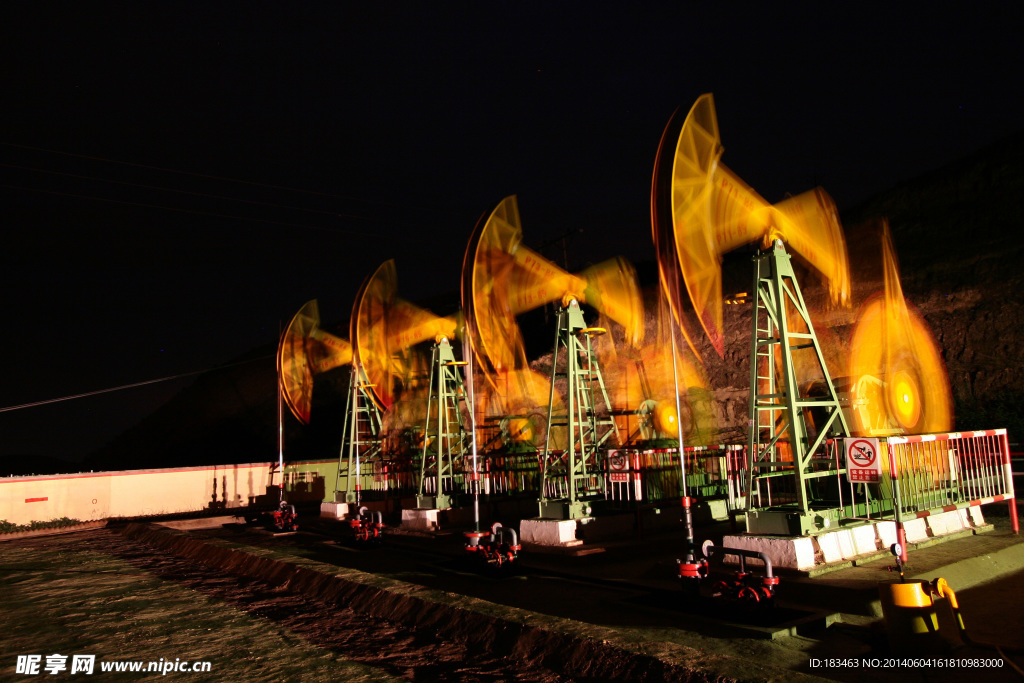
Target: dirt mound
{"points": [[580, 651]]}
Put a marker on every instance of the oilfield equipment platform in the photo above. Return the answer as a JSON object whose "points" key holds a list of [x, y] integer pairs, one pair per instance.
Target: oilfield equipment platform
{"points": [[446, 411]]}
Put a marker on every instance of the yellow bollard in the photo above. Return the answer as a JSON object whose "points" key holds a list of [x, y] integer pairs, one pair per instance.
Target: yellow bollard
{"points": [[911, 622]]}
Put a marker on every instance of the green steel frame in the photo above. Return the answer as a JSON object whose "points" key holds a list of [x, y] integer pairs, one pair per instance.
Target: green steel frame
{"points": [[444, 433], [361, 437], [573, 472], [785, 489]]}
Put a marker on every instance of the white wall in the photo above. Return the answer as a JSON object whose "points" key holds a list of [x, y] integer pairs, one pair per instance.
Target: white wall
{"points": [[99, 495]]}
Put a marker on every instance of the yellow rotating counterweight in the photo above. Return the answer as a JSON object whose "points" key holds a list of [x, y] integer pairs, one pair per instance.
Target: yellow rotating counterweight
{"points": [[306, 350], [900, 385], [501, 279], [701, 210], [646, 378], [384, 325]]}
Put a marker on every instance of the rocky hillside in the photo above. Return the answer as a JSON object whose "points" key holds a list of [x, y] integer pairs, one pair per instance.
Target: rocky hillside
{"points": [[959, 233], [959, 237]]}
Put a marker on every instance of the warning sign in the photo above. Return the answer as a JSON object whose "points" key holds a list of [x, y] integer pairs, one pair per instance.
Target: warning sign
{"points": [[862, 461], [617, 465]]}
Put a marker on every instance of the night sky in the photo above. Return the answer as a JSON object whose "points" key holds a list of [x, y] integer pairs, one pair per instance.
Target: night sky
{"points": [[177, 179]]}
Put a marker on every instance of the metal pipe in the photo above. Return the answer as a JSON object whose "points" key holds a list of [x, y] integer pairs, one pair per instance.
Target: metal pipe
{"points": [[498, 534], [712, 550], [280, 424], [467, 354], [679, 413], [690, 544], [1008, 487], [353, 435], [901, 532]]}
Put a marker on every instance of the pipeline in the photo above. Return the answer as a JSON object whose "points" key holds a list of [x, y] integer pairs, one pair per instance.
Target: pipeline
{"points": [[742, 553], [367, 526], [744, 587], [498, 549], [498, 534], [284, 518]]}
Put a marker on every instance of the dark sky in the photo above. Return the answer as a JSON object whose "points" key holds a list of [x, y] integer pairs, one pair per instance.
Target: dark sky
{"points": [[178, 178]]}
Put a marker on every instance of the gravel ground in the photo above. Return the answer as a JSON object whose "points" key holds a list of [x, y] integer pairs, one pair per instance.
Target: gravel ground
{"points": [[56, 579]]}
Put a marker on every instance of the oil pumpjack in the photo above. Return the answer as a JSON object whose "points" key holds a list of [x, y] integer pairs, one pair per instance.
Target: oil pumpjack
{"points": [[502, 278], [386, 328], [701, 210], [304, 351]]}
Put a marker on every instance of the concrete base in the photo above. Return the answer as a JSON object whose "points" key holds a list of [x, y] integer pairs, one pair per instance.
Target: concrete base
{"points": [[715, 509], [807, 552], [553, 532], [441, 502], [335, 510], [794, 552], [887, 534], [421, 520]]}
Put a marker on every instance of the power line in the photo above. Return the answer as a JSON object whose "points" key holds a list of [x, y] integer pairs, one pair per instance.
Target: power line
{"points": [[130, 386]]}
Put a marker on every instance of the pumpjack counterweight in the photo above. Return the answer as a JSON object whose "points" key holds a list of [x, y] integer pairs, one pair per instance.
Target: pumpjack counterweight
{"points": [[788, 459], [573, 475], [361, 437], [445, 438]]}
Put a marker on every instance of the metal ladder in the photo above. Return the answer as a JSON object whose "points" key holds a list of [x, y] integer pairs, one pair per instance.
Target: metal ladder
{"points": [[571, 475], [784, 461], [444, 433], [361, 437]]}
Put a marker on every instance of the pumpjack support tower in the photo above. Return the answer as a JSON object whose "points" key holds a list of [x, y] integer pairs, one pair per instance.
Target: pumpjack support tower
{"points": [[790, 470], [384, 329], [702, 210], [503, 278], [361, 437], [444, 435], [572, 475]]}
